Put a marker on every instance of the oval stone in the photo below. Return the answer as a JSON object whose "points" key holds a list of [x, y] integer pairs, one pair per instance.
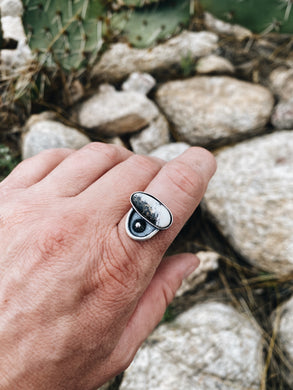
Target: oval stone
{"points": [[152, 210]]}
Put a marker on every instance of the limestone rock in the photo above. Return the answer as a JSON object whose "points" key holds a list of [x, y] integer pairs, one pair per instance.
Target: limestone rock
{"points": [[281, 80], [214, 64], [220, 27], [211, 109], [211, 346], [122, 60], [251, 198], [169, 151], [11, 8], [209, 261], [12, 28], [285, 332], [12, 60], [283, 115], [152, 137], [47, 134], [113, 113], [139, 82]]}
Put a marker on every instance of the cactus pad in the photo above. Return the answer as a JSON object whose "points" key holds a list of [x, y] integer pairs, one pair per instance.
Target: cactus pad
{"points": [[67, 32], [146, 26], [260, 16]]}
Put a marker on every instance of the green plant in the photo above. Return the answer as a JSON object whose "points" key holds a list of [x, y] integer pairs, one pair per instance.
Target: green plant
{"points": [[260, 16], [67, 32], [132, 3], [187, 65], [146, 26], [7, 161], [71, 33]]}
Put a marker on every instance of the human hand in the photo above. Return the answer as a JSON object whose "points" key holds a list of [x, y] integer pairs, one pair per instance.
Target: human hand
{"points": [[77, 295]]}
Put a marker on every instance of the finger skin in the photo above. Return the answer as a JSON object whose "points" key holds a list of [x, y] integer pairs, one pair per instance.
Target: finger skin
{"points": [[84, 167], [116, 185], [34, 169], [77, 294], [180, 185], [153, 304]]}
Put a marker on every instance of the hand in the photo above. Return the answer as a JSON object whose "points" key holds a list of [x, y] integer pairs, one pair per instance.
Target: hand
{"points": [[77, 295]]}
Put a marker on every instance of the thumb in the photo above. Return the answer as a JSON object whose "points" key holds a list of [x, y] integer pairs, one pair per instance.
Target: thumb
{"points": [[153, 304]]}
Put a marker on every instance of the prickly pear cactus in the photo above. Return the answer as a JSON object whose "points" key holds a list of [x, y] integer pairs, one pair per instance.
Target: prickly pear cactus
{"points": [[66, 32], [260, 16], [132, 3], [144, 27]]}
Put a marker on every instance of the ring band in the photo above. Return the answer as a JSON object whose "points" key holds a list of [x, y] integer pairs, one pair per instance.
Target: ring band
{"points": [[147, 217]]}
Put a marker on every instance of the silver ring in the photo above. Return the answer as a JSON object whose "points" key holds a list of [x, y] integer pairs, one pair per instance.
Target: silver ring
{"points": [[147, 217]]}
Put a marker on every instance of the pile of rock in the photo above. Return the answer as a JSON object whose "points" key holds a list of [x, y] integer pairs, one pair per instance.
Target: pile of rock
{"points": [[211, 345]]}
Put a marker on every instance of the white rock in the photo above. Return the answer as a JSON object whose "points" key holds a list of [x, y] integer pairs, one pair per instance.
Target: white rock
{"points": [[209, 261], [214, 64], [122, 60], [12, 28], [169, 151], [116, 112], [282, 117], [152, 137], [251, 198], [16, 59], [208, 109], [48, 134], [220, 27], [139, 82], [11, 8], [285, 332], [281, 80], [211, 346]]}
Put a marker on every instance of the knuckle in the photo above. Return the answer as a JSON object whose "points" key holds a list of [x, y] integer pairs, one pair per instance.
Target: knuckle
{"points": [[60, 152], [186, 179], [112, 152], [145, 163]]}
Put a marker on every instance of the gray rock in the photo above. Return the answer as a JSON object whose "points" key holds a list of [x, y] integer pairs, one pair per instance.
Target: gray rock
{"points": [[122, 60], [11, 8], [211, 346], [114, 113], [152, 137], [139, 82], [285, 332], [281, 81], [169, 151], [251, 198], [12, 28], [47, 134], [214, 64], [283, 115], [220, 27], [208, 109], [13, 60], [209, 261]]}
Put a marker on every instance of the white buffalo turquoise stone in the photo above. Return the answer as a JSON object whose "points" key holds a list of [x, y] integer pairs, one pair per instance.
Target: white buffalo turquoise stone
{"points": [[152, 210]]}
